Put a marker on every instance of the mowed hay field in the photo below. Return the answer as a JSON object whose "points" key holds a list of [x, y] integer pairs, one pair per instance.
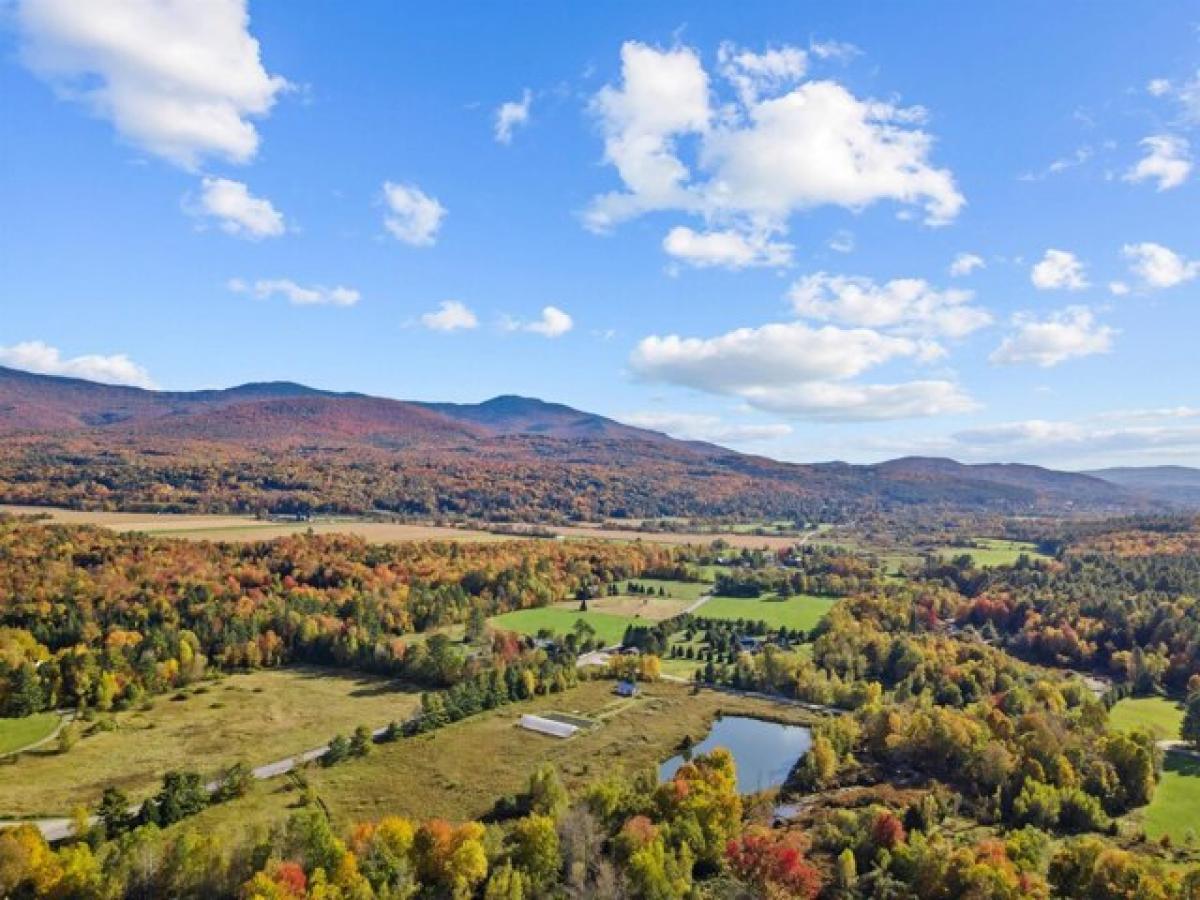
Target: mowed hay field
{"points": [[993, 552], [610, 629], [258, 717], [801, 611], [459, 771], [200, 527], [245, 528], [1175, 808], [733, 539], [689, 591], [1162, 716], [18, 733]]}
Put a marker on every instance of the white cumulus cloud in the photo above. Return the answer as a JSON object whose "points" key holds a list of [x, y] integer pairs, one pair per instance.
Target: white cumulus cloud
{"points": [[511, 115], [296, 294], [776, 355], [413, 217], [798, 371], [1158, 87], [965, 263], [451, 315], [40, 357], [752, 74], [1067, 334], [849, 402], [904, 304], [552, 323], [1157, 266], [779, 145], [1059, 270], [236, 210], [179, 78], [726, 249], [1167, 161]]}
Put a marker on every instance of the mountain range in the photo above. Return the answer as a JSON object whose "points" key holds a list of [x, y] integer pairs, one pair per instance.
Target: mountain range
{"points": [[285, 446]]}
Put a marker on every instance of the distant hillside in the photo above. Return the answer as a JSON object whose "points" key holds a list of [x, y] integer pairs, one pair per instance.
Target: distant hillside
{"points": [[1067, 487], [1178, 485], [526, 415], [287, 447]]}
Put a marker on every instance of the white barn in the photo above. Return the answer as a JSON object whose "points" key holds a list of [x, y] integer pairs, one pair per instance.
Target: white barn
{"points": [[547, 726]]}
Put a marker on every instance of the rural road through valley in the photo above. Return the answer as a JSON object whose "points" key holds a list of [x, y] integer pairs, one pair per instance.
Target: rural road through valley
{"points": [[57, 829]]}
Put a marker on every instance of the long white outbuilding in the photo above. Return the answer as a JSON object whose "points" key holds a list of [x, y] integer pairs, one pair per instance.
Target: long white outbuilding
{"points": [[547, 726]]}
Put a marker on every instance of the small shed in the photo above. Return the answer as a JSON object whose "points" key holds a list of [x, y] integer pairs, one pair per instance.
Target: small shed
{"points": [[543, 725], [627, 688]]}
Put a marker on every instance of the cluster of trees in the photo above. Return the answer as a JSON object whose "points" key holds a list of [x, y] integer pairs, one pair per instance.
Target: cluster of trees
{"points": [[1022, 745], [884, 851], [534, 674], [1135, 618], [802, 569], [91, 618], [719, 637]]}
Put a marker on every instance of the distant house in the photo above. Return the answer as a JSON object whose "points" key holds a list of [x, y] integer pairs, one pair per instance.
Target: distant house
{"points": [[749, 644], [547, 726], [627, 688]]}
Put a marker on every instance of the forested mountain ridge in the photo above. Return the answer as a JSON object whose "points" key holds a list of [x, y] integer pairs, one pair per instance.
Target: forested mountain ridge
{"points": [[1178, 484], [287, 447]]}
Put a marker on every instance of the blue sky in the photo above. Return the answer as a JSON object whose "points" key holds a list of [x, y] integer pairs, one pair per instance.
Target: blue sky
{"points": [[737, 223]]}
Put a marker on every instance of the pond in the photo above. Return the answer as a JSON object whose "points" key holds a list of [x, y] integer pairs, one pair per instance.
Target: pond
{"points": [[764, 751]]}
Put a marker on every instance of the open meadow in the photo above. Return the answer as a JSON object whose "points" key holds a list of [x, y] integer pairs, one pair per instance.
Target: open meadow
{"points": [[257, 717], [246, 528], [1175, 808], [1161, 715], [21, 732], [802, 611], [994, 552], [202, 527], [561, 620]]}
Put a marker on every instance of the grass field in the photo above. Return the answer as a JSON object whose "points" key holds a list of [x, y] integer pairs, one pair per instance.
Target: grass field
{"points": [[749, 541], [679, 590], [244, 528], [257, 716], [561, 620], [642, 608], [993, 552], [802, 611], [1160, 715], [200, 527], [18, 733], [1175, 809]]}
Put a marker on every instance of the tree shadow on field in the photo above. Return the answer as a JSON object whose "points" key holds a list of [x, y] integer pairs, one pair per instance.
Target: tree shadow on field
{"points": [[1182, 765], [367, 685]]}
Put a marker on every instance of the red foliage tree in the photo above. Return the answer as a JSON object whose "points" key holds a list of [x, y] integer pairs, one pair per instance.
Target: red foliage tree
{"points": [[772, 861]]}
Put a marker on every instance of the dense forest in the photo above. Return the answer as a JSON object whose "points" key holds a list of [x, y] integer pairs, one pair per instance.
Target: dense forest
{"points": [[93, 618]]}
